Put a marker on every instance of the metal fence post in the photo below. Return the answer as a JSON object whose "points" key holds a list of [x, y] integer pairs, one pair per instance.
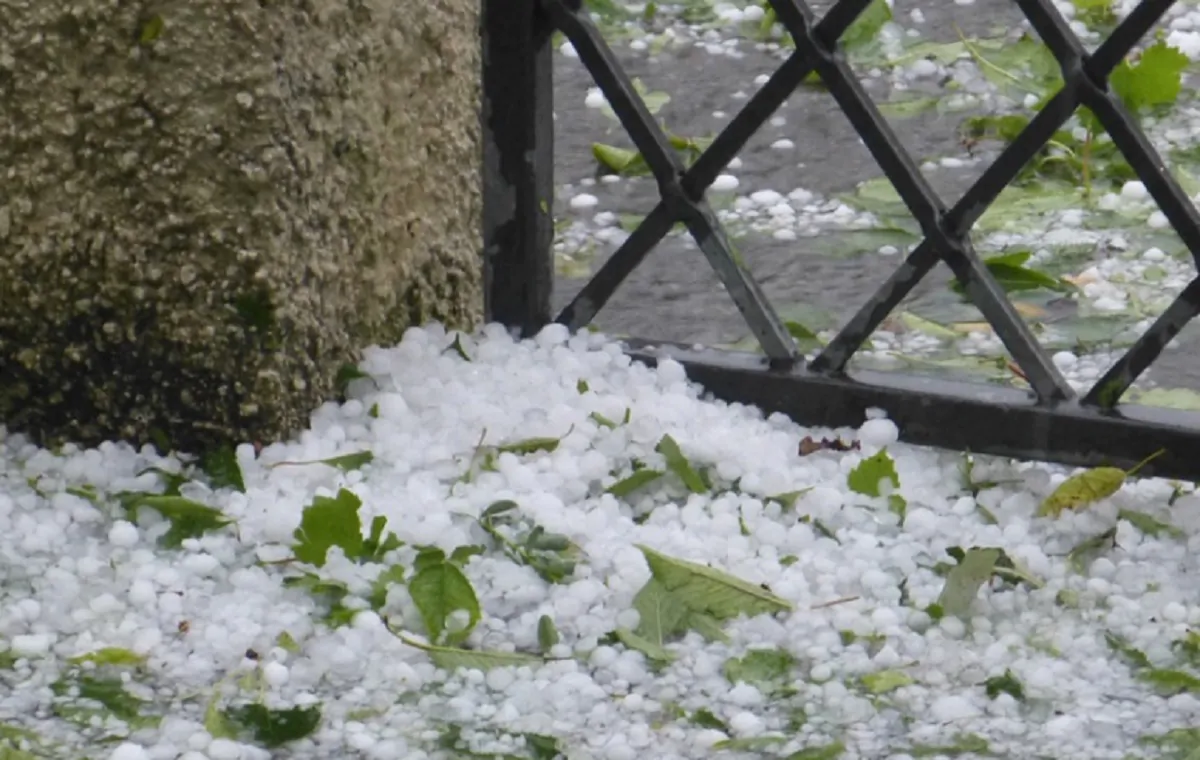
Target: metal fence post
{"points": [[518, 164]]}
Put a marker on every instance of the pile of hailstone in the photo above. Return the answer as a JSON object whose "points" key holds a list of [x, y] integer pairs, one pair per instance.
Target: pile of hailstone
{"points": [[538, 549]]}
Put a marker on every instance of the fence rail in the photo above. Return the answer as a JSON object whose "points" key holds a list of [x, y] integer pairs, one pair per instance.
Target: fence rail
{"points": [[1048, 422]]}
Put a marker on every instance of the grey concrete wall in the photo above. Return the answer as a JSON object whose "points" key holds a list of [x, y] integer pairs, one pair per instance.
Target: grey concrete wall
{"points": [[207, 207]]}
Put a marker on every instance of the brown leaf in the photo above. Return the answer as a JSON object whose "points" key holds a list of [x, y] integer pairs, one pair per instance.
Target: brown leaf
{"points": [[809, 445]]}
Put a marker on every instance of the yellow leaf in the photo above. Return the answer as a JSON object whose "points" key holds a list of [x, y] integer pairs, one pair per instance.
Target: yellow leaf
{"points": [[969, 327], [1082, 489], [1029, 310], [1080, 280], [920, 324]]}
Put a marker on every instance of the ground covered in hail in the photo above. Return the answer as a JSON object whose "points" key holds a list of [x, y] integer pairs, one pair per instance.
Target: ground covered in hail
{"points": [[539, 549]]}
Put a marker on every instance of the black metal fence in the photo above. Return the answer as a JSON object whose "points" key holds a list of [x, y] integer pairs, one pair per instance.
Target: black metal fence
{"points": [[1047, 422]]}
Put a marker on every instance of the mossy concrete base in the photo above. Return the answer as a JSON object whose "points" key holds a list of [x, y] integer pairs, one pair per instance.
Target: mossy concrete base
{"points": [[209, 207]]}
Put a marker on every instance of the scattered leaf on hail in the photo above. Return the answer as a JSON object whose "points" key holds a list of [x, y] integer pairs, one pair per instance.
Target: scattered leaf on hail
{"points": [[188, 519], [439, 589], [678, 464], [965, 579], [706, 719], [346, 462], [637, 480], [1005, 684], [326, 523], [1087, 551], [1149, 524], [768, 670], [749, 743], [883, 681], [109, 656], [684, 596], [531, 445], [451, 658], [867, 477], [547, 634], [653, 651], [223, 470], [831, 751], [274, 727], [787, 501], [1088, 487], [1134, 656]]}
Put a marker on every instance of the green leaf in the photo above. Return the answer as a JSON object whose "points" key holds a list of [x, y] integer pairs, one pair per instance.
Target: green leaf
{"points": [[706, 719], [706, 625], [637, 480], [384, 581], [883, 681], [602, 421], [285, 642], [765, 669], [450, 658], [347, 374], [216, 723], [1005, 684], [1168, 683], [223, 470], [376, 546], [547, 634], [345, 462], [964, 744], [1010, 273], [1087, 551], [825, 752], [703, 589], [787, 501], [188, 519], [1083, 489], [965, 579], [661, 614], [462, 554], [867, 476], [458, 348], [274, 728], [678, 464], [1189, 646], [109, 656], [806, 339], [1134, 656], [326, 523], [1153, 81], [582, 386], [749, 743], [627, 163], [898, 506], [1148, 524], [529, 446], [922, 325], [1180, 743], [438, 591], [107, 691], [867, 26], [655, 652]]}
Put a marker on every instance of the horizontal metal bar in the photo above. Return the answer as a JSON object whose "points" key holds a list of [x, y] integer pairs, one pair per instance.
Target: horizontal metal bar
{"points": [[974, 417]]}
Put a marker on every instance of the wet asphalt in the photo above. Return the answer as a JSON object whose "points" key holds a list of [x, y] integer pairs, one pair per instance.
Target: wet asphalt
{"points": [[674, 294]]}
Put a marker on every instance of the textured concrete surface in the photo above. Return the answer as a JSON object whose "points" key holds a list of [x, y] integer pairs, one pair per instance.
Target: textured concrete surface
{"points": [[207, 208]]}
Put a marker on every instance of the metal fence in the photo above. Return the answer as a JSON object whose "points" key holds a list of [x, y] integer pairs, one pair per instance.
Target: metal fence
{"points": [[1047, 422]]}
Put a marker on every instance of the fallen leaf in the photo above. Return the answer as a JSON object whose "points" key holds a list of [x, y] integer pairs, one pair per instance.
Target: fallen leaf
{"points": [[810, 445]]}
